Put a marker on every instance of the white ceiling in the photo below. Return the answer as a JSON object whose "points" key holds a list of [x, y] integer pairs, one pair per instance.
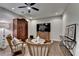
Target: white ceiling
{"points": [[45, 9]]}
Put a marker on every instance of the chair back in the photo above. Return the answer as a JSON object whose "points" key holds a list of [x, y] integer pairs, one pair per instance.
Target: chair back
{"points": [[9, 40], [39, 49], [17, 49]]}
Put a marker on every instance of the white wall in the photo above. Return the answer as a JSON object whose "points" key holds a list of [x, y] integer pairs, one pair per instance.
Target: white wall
{"points": [[7, 16], [71, 16], [56, 27]]}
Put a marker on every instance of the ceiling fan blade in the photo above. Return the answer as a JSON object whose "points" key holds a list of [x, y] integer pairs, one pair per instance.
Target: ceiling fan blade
{"points": [[29, 11], [35, 8], [22, 6], [26, 3], [31, 4]]}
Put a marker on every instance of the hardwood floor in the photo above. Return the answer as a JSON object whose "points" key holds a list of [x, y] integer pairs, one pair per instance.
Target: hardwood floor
{"points": [[56, 50]]}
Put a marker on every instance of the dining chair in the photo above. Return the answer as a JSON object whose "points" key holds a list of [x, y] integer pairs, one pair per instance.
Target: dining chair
{"points": [[39, 49], [16, 49]]}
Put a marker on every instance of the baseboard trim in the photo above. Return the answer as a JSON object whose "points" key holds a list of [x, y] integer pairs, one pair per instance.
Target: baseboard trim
{"points": [[56, 39]]}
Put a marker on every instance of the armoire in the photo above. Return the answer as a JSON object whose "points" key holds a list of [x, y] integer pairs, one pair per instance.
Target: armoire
{"points": [[20, 29]]}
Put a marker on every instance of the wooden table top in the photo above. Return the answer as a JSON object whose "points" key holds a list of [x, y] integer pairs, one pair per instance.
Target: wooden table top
{"points": [[30, 41]]}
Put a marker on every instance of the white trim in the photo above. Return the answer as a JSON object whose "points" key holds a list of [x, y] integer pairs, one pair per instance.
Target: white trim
{"points": [[56, 39]]}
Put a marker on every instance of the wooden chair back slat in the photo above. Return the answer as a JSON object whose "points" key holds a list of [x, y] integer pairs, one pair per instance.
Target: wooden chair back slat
{"points": [[39, 49], [33, 50]]}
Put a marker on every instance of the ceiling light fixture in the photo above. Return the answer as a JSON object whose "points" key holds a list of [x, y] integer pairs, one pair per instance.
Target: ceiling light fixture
{"points": [[28, 8], [31, 18], [13, 8]]}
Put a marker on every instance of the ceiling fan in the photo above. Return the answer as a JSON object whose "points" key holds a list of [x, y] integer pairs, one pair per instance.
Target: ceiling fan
{"points": [[29, 6]]}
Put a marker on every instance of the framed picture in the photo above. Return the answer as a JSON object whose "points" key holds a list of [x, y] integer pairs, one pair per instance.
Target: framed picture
{"points": [[70, 36], [72, 32]]}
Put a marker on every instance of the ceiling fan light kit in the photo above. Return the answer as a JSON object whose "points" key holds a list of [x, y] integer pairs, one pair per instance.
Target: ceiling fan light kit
{"points": [[29, 7]]}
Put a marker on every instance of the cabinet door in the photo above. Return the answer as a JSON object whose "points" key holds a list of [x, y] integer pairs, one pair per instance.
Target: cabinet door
{"points": [[20, 29], [22, 32]]}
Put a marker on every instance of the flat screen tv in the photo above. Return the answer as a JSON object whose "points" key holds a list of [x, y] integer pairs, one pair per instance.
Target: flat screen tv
{"points": [[43, 27]]}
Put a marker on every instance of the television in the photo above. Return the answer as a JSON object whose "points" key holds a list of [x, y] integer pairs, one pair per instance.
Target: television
{"points": [[43, 27]]}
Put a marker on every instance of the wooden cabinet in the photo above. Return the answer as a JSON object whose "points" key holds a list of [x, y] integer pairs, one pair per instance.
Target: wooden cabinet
{"points": [[20, 29]]}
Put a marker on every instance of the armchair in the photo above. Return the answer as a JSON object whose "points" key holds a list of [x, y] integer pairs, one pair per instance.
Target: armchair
{"points": [[16, 49]]}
